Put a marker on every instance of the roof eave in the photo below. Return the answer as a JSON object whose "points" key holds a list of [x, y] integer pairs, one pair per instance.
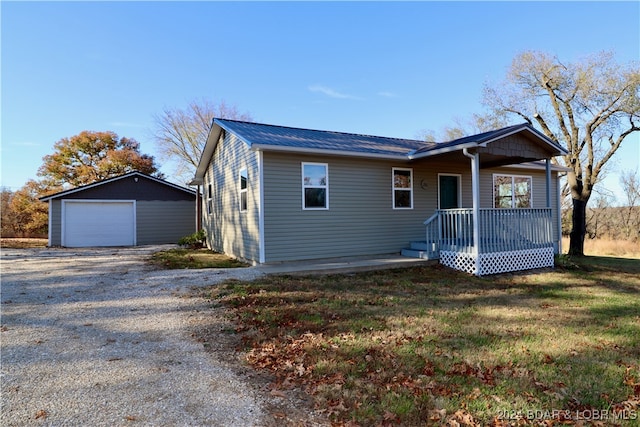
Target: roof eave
{"points": [[321, 151], [444, 150], [207, 153]]}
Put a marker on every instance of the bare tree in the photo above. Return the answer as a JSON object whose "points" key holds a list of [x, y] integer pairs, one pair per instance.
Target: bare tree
{"points": [[181, 134], [631, 212], [590, 107]]}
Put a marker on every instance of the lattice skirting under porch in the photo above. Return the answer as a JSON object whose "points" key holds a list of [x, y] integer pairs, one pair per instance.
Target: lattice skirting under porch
{"points": [[499, 262]]}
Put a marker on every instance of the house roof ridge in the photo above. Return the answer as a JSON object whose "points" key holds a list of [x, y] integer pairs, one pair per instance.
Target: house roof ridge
{"points": [[327, 131]]}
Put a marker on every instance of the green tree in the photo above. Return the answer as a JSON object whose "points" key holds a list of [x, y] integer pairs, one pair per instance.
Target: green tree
{"points": [[590, 107], [181, 134], [92, 156]]}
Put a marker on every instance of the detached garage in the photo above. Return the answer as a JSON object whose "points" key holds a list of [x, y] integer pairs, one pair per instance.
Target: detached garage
{"points": [[129, 210]]}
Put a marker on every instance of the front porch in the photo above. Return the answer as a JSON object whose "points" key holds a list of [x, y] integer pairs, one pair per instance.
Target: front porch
{"points": [[507, 230], [504, 240]]}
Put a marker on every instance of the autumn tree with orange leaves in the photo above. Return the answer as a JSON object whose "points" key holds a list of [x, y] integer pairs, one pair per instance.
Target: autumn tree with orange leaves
{"points": [[93, 156], [79, 160]]}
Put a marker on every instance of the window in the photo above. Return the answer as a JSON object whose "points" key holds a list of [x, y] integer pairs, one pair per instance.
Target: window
{"points": [[209, 200], [402, 188], [511, 191], [243, 190], [315, 186]]}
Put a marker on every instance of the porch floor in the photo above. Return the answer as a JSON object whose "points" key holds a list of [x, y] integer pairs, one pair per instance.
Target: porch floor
{"points": [[342, 265]]}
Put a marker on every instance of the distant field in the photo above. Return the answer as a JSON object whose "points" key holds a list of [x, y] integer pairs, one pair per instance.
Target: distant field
{"points": [[18, 243], [606, 247]]}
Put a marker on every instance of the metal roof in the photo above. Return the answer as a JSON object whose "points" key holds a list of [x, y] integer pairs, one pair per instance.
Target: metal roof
{"points": [[486, 137], [265, 137], [259, 135]]}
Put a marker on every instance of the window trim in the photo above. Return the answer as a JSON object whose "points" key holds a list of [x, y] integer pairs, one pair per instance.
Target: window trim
{"points": [[393, 188], [209, 199], [305, 186], [244, 191], [513, 194]]}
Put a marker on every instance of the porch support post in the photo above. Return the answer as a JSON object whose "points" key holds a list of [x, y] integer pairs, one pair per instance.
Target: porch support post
{"points": [[548, 175], [475, 189]]}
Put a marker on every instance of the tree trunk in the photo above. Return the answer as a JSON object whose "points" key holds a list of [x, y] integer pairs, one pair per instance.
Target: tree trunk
{"points": [[579, 228]]}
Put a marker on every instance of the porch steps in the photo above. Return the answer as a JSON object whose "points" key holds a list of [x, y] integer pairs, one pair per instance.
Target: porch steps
{"points": [[422, 250]]}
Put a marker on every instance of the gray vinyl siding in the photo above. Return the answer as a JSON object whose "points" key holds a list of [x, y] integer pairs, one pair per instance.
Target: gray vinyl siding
{"points": [[229, 230], [160, 222], [56, 223], [360, 219]]}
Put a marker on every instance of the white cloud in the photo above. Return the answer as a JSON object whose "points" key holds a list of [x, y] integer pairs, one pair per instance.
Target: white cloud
{"points": [[387, 94], [25, 144], [331, 92]]}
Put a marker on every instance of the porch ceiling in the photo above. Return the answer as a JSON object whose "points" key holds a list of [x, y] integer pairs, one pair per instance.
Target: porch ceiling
{"points": [[487, 160]]}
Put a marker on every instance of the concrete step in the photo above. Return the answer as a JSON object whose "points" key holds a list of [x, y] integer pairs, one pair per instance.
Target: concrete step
{"points": [[422, 246], [416, 253]]}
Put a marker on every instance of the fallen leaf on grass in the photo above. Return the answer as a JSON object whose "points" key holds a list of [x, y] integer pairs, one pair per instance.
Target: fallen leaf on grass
{"points": [[277, 393], [437, 414], [462, 418]]}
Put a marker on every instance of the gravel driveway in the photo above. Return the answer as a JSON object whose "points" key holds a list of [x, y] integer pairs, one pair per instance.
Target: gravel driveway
{"points": [[97, 337]]}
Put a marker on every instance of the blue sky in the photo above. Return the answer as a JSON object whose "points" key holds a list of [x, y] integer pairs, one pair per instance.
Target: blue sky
{"points": [[381, 68]]}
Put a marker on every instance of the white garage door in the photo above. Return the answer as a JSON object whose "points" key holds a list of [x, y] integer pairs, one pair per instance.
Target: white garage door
{"points": [[93, 223]]}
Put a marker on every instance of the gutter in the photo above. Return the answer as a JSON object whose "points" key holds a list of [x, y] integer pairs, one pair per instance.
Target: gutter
{"points": [[320, 151]]}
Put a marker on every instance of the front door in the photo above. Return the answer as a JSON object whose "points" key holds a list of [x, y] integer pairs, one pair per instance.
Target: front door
{"points": [[449, 191], [449, 198]]}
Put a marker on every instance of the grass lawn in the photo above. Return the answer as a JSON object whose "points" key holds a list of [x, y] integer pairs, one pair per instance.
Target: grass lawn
{"points": [[429, 346], [194, 258]]}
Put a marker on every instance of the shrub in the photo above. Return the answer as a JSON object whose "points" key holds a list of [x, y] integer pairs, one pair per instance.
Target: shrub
{"points": [[196, 240]]}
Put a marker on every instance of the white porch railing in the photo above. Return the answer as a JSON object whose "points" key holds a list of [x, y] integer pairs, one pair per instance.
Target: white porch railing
{"points": [[509, 239], [500, 230]]}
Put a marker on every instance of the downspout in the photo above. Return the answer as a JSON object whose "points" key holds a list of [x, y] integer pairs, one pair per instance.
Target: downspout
{"points": [[475, 189]]}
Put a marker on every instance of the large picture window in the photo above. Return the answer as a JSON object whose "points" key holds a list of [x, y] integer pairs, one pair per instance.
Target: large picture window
{"points": [[402, 188], [511, 191], [243, 190], [315, 186]]}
